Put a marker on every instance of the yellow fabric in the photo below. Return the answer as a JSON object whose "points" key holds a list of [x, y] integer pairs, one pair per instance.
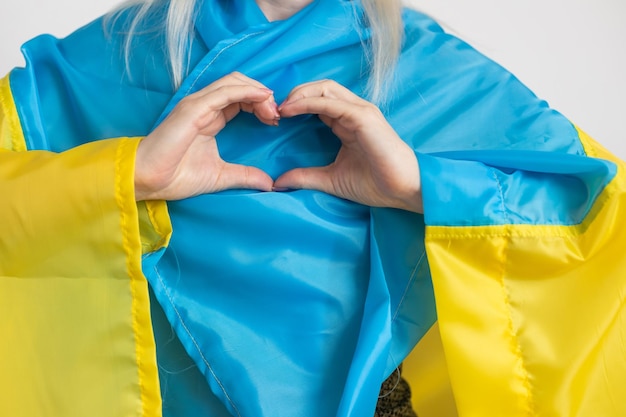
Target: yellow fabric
{"points": [[154, 225], [76, 330], [427, 373], [11, 136], [532, 318]]}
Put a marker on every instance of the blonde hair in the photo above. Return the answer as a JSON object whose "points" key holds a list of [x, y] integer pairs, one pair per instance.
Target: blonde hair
{"points": [[384, 18]]}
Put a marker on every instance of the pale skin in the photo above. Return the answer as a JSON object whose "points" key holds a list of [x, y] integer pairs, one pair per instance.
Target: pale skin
{"points": [[180, 157]]}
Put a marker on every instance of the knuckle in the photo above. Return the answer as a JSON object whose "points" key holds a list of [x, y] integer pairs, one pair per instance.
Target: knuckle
{"points": [[327, 87], [234, 76], [220, 89], [370, 110]]}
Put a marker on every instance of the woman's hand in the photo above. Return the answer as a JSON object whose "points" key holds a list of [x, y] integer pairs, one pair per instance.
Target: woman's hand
{"points": [[373, 167], [180, 157]]}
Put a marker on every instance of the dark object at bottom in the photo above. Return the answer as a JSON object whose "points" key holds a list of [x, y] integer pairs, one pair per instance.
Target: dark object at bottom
{"points": [[394, 399]]}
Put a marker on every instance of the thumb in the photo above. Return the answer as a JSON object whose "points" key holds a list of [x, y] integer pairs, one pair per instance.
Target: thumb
{"points": [[244, 176], [316, 178]]}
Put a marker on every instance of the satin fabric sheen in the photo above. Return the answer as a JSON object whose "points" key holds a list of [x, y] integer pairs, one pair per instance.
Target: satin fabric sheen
{"points": [[300, 301]]}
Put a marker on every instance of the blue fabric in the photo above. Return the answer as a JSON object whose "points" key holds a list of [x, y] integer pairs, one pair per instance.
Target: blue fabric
{"points": [[300, 301], [496, 188]]}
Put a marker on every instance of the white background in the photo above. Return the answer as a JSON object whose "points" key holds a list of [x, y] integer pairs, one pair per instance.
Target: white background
{"points": [[570, 52]]}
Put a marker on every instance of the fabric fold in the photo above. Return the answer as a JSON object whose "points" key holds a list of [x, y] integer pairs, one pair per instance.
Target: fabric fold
{"points": [[266, 302]]}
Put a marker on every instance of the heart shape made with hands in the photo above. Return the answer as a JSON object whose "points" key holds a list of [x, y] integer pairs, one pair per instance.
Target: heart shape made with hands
{"points": [[374, 166]]}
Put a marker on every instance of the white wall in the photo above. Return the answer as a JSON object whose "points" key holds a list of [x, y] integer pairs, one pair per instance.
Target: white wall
{"points": [[24, 19], [570, 52]]}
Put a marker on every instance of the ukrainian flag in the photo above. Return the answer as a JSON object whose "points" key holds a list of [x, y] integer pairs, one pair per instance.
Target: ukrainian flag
{"points": [[113, 308]]}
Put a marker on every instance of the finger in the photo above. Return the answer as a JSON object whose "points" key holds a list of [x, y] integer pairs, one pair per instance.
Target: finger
{"points": [[315, 178], [225, 102], [268, 115], [234, 94], [323, 88], [234, 78], [243, 176], [222, 97], [351, 115], [266, 111], [244, 79]]}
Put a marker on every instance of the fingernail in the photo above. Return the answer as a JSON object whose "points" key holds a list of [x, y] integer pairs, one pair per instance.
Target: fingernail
{"points": [[280, 189], [274, 107]]}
